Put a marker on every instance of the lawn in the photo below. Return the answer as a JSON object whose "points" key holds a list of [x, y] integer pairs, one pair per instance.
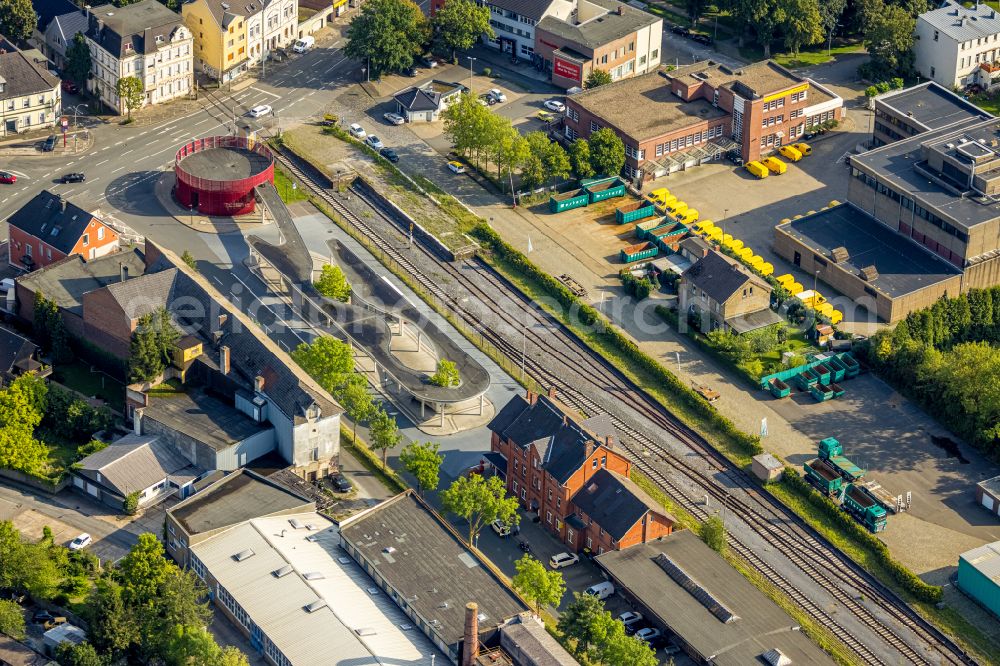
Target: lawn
{"points": [[287, 190], [810, 57], [92, 383], [989, 103], [796, 343]]}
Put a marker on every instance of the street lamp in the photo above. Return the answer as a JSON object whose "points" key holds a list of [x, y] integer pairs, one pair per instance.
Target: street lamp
{"points": [[76, 112], [471, 59]]}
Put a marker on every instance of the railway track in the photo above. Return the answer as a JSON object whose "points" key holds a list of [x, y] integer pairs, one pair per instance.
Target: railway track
{"points": [[843, 579]]}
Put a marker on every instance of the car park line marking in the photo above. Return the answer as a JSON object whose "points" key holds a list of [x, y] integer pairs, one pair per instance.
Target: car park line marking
{"points": [[119, 143], [311, 94], [105, 148]]}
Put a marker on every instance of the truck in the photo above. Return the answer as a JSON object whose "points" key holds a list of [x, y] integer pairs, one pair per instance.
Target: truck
{"points": [[823, 477], [859, 502], [832, 452]]}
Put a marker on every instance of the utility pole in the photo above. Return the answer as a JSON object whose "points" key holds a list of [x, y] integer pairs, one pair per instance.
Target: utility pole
{"points": [[471, 59]]}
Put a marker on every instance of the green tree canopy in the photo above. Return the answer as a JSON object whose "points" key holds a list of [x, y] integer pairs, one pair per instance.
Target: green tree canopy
{"points": [[480, 501], [887, 30], [607, 152], [142, 572], [424, 462], [11, 619], [358, 403], [597, 77], [460, 23], [131, 92], [327, 360], [830, 12], [537, 584], [78, 59], [713, 533], [383, 432], [152, 345], [17, 19], [79, 654], [387, 33], [333, 284], [803, 24], [599, 637], [579, 155], [446, 374]]}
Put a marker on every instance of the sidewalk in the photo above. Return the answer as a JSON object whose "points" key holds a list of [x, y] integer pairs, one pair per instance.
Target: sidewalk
{"points": [[523, 73]]}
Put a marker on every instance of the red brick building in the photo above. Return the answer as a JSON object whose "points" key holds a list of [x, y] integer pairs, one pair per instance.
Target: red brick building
{"points": [[49, 228], [569, 471], [672, 120]]}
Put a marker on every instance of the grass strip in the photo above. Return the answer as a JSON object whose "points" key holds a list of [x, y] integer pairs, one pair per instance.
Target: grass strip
{"points": [[359, 449]]}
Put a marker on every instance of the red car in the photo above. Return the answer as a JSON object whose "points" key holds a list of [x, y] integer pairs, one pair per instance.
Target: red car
{"points": [[70, 87], [8, 178]]}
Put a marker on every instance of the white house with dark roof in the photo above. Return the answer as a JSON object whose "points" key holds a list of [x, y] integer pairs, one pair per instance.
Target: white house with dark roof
{"points": [[953, 43], [30, 97], [145, 40], [514, 21], [60, 33]]}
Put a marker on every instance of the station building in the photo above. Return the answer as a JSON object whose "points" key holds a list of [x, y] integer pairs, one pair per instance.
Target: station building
{"points": [[673, 120]]}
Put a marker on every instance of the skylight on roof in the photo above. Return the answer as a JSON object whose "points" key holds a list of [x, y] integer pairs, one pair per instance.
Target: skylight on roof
{"points": [[316, 605], [244, 555], [296, 523], [283, 571], [313, 575]]}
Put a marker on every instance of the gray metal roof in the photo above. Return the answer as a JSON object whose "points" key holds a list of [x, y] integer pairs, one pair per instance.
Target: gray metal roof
{"points": [[237, 498], [135, 462], [991, 485], [203, 418], [418, 554], [985, 560], [68, 25], [963, 23], [527, 642], [761, 625], [603, 29]]}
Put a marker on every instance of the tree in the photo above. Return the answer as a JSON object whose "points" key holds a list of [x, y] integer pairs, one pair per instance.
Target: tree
{"points": [[11, 619], [44, 317], [130, 90], [181, 599], [459, 24], [803, 25], [79, 654], [424, 462], [358, 403], [480, 501], [556, 160], [388, 34], [446, 374], [78, 59], [333, 284], [607, 152], [695, 8], [579, 155], [11, 554], [887, 31], [142, 572], [622, 650], [383, 432], [17, 19], [537, 584], [765, 17], [131, 503], [583, 621], [830, 12], [327, 360], [713, 533], [232, 656], [190, 646], [145, 361], [597, 77], [188, 259]]}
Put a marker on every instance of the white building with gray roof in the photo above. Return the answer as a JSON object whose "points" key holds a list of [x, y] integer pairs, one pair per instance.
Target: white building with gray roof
{"points": [[954, 42], [30, 97]]}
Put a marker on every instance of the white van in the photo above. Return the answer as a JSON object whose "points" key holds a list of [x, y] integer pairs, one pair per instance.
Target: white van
{"points": [[304, 44], [601, 590]]}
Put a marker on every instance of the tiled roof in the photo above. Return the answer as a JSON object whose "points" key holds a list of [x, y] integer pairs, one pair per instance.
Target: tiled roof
{"points": [[52, 219], [719, 277], [68, 25], [615, 503], [418, 99], [23, 77], [533, 9], [134, 462], [65, 282], [142, 295], [14, 348]]}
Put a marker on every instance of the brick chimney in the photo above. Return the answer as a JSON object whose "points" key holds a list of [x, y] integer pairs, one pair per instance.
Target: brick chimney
{"points": [[122, 271], [137, 420], [609, 441], [552, 391], [470, 651], [224, 359]]}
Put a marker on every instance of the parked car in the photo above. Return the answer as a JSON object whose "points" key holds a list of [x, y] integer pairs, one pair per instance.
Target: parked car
{"points": [[545, 116], [304, 44], [803, 148], [554, 105], [75, 177], [561, 560], [790, 152], [501, 528], [430, 61], [456, 167], [497, 94], [632, 621], [340, 483], [702, 39], [50, 144], [80, 542], [650, 635], [678, 30], [393, 118], [487, 99], [357, 131], [411, 72], [42, 616], [70, 87], [259, 110], [53, 623], [7, 177], [670, 649], [735, 157], [389, 154], [601, 590], [374, 142]]}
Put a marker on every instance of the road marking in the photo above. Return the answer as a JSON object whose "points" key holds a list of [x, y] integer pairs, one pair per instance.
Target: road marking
{"points": [[105, 148], [96, 165], [207, 120], [128, 151], [118, 169], [119, 143], [47, 175], [311, 94], [265, 92], [310, 79]]}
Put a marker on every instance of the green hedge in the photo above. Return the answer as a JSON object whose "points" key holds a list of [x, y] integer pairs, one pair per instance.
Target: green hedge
{"points": [[672, 318], [589, 316], [841, 520]]}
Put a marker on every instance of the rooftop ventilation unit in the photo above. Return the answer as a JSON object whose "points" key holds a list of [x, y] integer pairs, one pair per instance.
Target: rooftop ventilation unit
{"points": [[283, 571], [869, 273], [365, 631], [296, 523], [839, 254], [244, 555], [776, 657], [313, 575], [695, 589], [316, 605]]}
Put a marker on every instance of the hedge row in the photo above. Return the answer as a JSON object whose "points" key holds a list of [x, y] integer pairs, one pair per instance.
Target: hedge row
{"points": [[589, 316], [672, 318], [906, 578]]}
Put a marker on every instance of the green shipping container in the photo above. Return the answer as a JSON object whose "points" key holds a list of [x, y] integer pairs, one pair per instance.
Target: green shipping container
{"points": [[636, 210], [820, 393], [603, 191], [568, 201], [780, 389], [638, 252]]}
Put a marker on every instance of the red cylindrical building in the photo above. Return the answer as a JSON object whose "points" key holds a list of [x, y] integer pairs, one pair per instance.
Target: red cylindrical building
{"points": [[217, 175]]}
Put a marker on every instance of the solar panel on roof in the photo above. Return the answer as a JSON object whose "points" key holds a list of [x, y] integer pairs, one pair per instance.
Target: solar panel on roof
{"points": [[694, 588]]}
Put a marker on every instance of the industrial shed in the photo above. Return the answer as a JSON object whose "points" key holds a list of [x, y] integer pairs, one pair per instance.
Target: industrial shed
{"points": [[988, 495]]}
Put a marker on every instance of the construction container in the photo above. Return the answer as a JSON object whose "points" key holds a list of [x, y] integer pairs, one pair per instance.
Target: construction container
{"points": [[820, 393], [637, 252], [823, 477], [823, 373], [775, 165], [668, 236], [837, 390], [568, 200], [838, 369], [780, 389], [643, 228], [605, 190], [859, 503], [853, 367], [633, 212], [831, 451], [805, 379]]}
